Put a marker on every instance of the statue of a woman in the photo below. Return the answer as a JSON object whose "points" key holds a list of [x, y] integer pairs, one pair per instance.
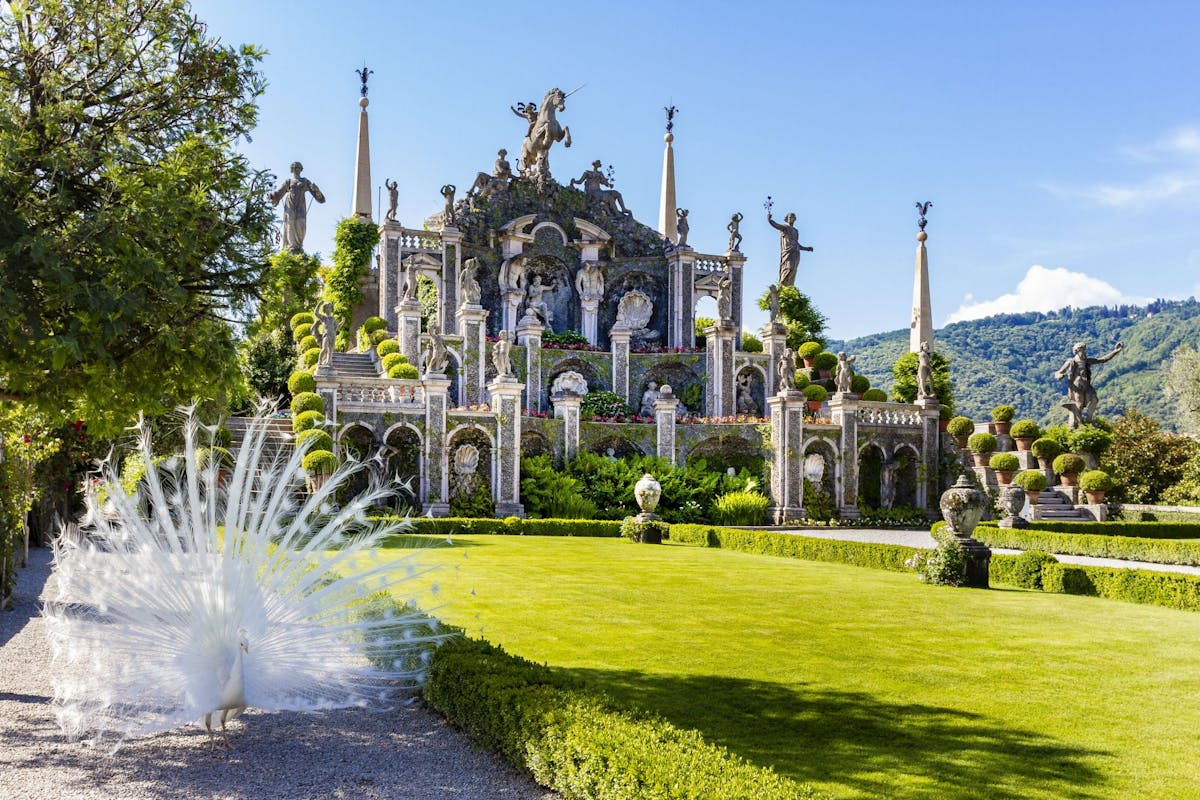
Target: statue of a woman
{"points": [[789, 248], [295, 208], [325, 328], [502, 356]]}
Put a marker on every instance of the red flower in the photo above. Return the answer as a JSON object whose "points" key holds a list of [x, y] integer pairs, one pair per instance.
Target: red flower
{"points": [[77, 424], [27, 439]]}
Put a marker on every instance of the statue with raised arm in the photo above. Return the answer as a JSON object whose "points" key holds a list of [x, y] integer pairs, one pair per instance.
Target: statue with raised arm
{"points": [[789, 248], [681, 225], [535, 301], [924, 372], [845, 372], [468, 283], [598, 186], [448, 196], [544, 130], [589, 281], [735, 236], [393, 198], [725, 297], [1081, 399], [787, 370], [437, 356], [773, 302], [408, 290], [324, 330], [295, 207], [502, 356]]}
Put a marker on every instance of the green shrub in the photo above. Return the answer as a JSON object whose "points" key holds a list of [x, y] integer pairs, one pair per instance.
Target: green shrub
{"points": [[875, 395], [1004, 462], [947, 564], [1027, 570], [300, 382], [387, 346], [859, 384], [824, 361], [1031, 480], [1090, 439], [1024, 429], [372, 324], [1003, 413], [982, 443], [1045, 447], [860, 554], [1097, 545], [307, 401], [476, 503], [648, 532], [515, 526], [377, 338], [307, 420], [811, 350], [217, 456], [801, 379], [960, 426], [405, 372], [1068, 463], [740, 508], [391, 360], [303, 318], [300, 332], [751, 343], [1095, 480], [816, 393], [308, 343], [1172, 590], [314, 439], [309, 358], [566, 337], [603, 404], [319, 462]]}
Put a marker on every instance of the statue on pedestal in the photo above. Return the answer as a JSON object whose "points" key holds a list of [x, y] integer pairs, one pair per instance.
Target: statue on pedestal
{"points": [[544, 130], [324, 329], [789, 248], [787, 370], [468, 286], [773, 302], [589, 281], [448, 196], [594, 182], [681, 226], [502, 357], [845, 372], [735, 236], [648, 397], [745, 399], [535, 301], [408, 288], [924, 372], [725, 298], [295, 208], [1081, 395], [437, 357], [393, 188], [487, 185]]}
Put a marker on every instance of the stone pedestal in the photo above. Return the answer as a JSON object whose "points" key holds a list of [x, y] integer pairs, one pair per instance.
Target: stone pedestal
{"points": [[962, 507], [529, 336], [619, 338], [435, 488], [719, 347], [665, 408], [736, 264], [774, 339], [448, 291], [843, 410], [408, 330], [566, 408], [588, 308], [931, 447], [390, 273], [787, 461], [506, 404], [471, 323], [511, 300]]}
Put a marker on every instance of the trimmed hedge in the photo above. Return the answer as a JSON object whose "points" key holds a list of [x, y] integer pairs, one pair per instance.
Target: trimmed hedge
{"points": [[982, 443], [1045, 447], [810, 350], [1003, 413], [372, 324], [1160, 551], [314, 439], [1143, 530], [576, 741], [1004, 462], [387, 346], [1169, 589], [1068, 464], [301, 381], [392, 359], [875, 395], [1024, 429], [307, 401], [319, 462], [860, 554], [403, 371], [515, 526], [303, 318], [816, 393], [307, 420]]}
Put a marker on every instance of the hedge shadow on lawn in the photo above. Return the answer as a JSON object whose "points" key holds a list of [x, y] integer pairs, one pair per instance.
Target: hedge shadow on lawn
{"points": [[857, 740]]}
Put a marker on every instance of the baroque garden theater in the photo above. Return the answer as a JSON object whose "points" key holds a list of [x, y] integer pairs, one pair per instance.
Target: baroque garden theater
{"points": [[524, 260]]}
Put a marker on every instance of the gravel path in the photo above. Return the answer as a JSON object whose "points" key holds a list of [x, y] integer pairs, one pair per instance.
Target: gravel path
{"points": [[923, 539], [409, 753]]}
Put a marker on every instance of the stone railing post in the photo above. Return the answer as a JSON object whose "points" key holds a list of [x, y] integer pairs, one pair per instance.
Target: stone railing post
{"points": [[471, 320], [774, 337], [664, 420], [566, 408], [619, 337], [844, 413], [931, 450], [787, 456], [435, 489], [448, 291], [719, 348], [506, 405], [529, 336]]}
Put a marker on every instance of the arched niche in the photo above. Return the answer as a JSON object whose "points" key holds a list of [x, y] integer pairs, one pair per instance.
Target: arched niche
{"points": [[870, 475]]}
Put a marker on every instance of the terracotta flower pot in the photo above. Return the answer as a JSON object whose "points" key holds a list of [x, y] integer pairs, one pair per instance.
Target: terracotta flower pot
{"points": [[1024, 443], [825, 374], [1002, 428], [961, 441], [943, 424], [981, 459], [1095, 498], [815, 405], [808, 363], [1004, 477], [1046, 463], [1069, 478]]}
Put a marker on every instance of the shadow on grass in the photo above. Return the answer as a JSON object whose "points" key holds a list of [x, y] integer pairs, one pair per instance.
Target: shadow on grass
{"points": [[874, 747], [424, 541]]}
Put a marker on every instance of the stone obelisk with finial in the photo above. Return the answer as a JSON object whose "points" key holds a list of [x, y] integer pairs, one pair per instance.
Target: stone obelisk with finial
{"points": [[362, 161], [921, 329], [666, 210]]}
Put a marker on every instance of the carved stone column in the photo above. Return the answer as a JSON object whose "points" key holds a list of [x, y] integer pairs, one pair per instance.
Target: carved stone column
{"points": [[435, 489], [389, 272], [448, 293], [511, 300], [529, 336], [619, 338], [566, 408], [506, 405], [844, 413], [408, 327], [737, 264], [471, 322], [588, 308], [931, 450], [774, 337], [681, 269], [787, 457], [664, 420], [719, 347]]}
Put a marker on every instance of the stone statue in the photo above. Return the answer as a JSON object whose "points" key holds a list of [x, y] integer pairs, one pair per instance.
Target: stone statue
{"points": [[681, 225], [393, 198], [845, 372], [502, 169], [468, 284], [745, 398], [589, 281], [594, 185], [735, 236], [448, 195], [408, 289], [544, 130], [633, 314], [487, 185], [535, 301], [295, 208], [773, 302], [648, 397], [512, 274], [502, 356], [887, 482], [789, 248], [725, 297], [924, 372], [324, 329], [437, 356], [569, 381], [1081, 395], [787, 370]]}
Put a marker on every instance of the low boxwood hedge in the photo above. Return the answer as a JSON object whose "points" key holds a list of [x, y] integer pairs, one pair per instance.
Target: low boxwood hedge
{"points": [[860, 554], [576, 741], [515, 526], [1160, 551], [1170, 589], [1143, 530]]}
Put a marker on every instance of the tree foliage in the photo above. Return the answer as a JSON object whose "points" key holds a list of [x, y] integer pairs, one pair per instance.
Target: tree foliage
{"points": [[353, 243], [796, 311], [268, 360], [904, 375], [128, 222], [1183, 386], [290, 285], [1144, 460]]}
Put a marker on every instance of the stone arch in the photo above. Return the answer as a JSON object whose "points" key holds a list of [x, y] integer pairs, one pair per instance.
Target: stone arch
{"points": [[680, 377], [905, 474], [621, 447], [404, 451], [753, 399], [822, 474], [554, 226], [729, 450], [870, 474], [485, 471], [356, 440]]}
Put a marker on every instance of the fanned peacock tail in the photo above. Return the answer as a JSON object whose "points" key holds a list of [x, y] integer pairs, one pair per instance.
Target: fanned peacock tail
{"points": [[157, 587]]}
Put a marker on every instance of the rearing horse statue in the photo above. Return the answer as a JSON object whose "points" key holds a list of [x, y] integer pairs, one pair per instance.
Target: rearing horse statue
{"points": [[543, 132]]}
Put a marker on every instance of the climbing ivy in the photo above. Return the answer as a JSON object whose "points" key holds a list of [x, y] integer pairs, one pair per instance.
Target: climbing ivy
{"points": [[353, 243]]}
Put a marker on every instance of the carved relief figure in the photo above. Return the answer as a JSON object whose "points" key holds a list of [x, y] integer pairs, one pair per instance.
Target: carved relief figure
{"points": [[437, 356], [735, 236], [924, 372], [594, 182], [324, 329], [789, 249], [648, 397], [845, 372], [725, 297], [512, 274], [589, 281], [786, 369], [535, 301], [393, 198], [468, 284], [502, 356], [681, 225], [1081, 395], [295, 209]]}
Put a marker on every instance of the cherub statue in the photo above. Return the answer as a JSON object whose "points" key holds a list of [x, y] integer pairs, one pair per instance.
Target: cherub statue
{"points": [[681, 225], [845, 372], [735, 237], [502, 356], [787, 370], [437, 356]]}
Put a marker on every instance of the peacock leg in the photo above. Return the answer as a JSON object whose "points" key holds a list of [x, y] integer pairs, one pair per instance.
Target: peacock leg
{"points": [[224, 733]]}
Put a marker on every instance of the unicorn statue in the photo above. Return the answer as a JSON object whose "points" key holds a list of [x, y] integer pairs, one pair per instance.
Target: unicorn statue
{"points": [[544, 130]]}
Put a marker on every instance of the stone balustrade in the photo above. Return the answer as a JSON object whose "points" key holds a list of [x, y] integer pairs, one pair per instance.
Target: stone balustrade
{"points": [[710, 263], [419, 241], [376, 394], [888, 414]]}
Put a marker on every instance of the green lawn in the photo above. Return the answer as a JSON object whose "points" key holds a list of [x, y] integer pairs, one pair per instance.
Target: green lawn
{"points": [[863, 682]]}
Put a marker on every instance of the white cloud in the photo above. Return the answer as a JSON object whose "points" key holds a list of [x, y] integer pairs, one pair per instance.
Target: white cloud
{"points": [[1177, 157], [1043, 290]]}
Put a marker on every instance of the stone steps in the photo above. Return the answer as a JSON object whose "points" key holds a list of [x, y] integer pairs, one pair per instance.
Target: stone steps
{"points": [[279, 436], [354, 365]]}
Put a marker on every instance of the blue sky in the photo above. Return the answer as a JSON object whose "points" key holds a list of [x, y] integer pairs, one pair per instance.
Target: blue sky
{"points": [[1059, 142]]}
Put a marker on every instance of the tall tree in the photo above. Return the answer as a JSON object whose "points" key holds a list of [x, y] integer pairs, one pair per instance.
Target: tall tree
{"points": [[796, 311], [129, 225]]}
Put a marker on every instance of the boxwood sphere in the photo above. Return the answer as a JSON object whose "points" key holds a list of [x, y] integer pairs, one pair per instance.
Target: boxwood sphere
{"points": [[309, 358], [307, 401], [319, 462], [307, 420], [403, 371], [875, 395], [810, 350], [312, 439], [301, 381], [387, 346]]}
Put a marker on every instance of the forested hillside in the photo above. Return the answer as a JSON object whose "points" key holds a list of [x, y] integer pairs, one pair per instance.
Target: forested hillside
{"points": [[1012, 358]]}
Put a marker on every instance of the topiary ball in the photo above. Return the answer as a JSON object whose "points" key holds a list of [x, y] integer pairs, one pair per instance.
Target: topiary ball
{"points": [[982, 443], [309, 358], [303, 318], [300, 331], [377, 336], [301, 381], [387, 346], [320, 462], [1068, 464], [815, 392], [405, 371], [307, 401], [825, 361], [311, 439], [1004, 462], [960, 426], [371, 324], [802, 379], [1031, 480], [1045, 447], [391, 360], [810, 350], [1025, 429], [859, 384], [307, 420], [875, 395], [1003, 413], [308, 343], [1095, 480]]}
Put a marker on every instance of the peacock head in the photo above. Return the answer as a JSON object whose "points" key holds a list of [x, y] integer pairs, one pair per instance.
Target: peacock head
{"points": [[243, 640]]}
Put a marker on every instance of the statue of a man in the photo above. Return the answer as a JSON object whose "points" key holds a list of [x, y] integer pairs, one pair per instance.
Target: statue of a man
{"points": [[789, 248], [735, 236], [1081, 395], [324, 329], [502, 356], [295, 208], [393, 198], [773, 302], [924, 372], [502, 169], [589, 281], [845, 372], [787, 370], [725, 297], [448, 196], [597, 185], [535, 302], [648, 398], [437, 357], [408, 286], [468, 285], [681, 225]]}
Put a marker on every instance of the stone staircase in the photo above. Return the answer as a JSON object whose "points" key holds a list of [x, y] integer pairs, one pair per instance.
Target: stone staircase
{"points": [[354, 365], [1055, 505], [278, 444]]}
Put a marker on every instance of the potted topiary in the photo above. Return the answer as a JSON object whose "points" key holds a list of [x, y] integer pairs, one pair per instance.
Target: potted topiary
{"points": [[875, 396], [815, 394], [1095, 483], [961, 429], [982, 446], [808, 351], [1068, 466], [1045, 450], [824, 363], [945, 414], [1023, 432], [1002, 419], [1005, 464], [801, 380], [319, 464], [859, 384], [1033, 481], [301, 381]]}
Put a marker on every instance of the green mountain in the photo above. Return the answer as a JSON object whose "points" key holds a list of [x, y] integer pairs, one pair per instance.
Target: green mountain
{"points": [[1012, 358]]}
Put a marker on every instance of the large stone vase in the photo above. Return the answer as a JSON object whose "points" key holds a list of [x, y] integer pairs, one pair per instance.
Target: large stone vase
{"points": [[647, 491], [1012, 500], [962, 507]]}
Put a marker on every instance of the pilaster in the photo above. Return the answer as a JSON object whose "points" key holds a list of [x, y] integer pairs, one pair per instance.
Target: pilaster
{"points": [[844, 413], [787, 462], [408, 327], [931, 446], [719, 349], [529, 336], [619, 339], [435, 489], [448, 291], [681, 268], [664, 420], [774, 338], [737, 264], [506, 404], [471, 322], [389, 272], [566, 408]]}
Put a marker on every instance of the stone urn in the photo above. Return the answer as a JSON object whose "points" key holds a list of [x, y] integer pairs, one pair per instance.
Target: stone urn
{"points": [[962, 507], [1012, 500], [647, 491]]}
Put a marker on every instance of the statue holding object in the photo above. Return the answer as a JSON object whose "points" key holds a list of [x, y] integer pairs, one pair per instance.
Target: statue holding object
{"points": [[845, 372], [789, 248], [295, 208], [544, 130], [324, 329], [502, 357], [1081, 399], [735, 236], [468, 285], [597, 185]]}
